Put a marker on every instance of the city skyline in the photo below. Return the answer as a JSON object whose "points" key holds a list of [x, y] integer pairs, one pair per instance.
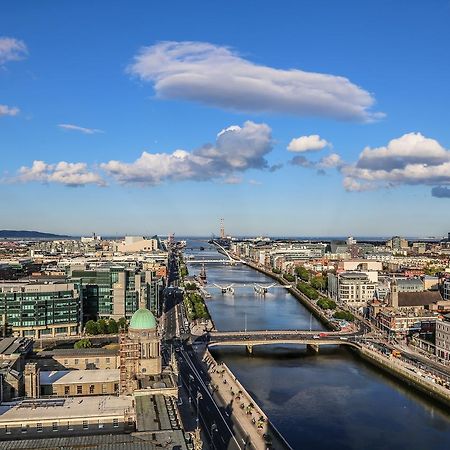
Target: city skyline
{"points": [[316, 120]]}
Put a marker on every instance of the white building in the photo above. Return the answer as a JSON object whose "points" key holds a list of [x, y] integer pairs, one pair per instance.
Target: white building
{"points": [[135, 244], [353, 288]]}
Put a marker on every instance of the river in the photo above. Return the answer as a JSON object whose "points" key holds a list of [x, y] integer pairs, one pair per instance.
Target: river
{"points": [[329, 400]]}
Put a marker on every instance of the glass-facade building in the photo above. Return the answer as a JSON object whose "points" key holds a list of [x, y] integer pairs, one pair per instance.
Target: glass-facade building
{"points": [[116, 291], [35, 310]]}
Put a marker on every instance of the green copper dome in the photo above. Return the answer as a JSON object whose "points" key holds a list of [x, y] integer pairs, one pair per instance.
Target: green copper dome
{"points": [[143, 319]]}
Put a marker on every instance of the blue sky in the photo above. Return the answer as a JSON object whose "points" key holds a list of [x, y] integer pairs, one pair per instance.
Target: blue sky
{"points": [[87, 87]]}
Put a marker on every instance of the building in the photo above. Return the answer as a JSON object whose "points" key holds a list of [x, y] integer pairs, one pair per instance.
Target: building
{"points": [[66, 416], [39, 309], [76, 359], [443, 338], [12, 362], [352, 288], [135, 244], [446, 290], [116, 291], [397, 243], [73, 383], [140, 352]]}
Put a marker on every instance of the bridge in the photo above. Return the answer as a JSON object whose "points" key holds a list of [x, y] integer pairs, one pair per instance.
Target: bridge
{"points": [[212, 261], [312, 339]]}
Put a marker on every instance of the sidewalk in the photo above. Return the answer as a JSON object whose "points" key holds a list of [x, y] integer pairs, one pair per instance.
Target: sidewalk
{"points": [[252, 421]]}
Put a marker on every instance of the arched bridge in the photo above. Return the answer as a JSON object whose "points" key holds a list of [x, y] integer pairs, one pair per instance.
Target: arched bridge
{"points": [[313, 339]]}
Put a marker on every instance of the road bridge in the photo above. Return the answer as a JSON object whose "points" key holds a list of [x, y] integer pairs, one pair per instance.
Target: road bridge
{"points": [[313, 339]]}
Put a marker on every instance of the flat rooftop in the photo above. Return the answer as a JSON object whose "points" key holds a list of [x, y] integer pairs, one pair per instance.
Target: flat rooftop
{"points": [[168, 440], [79, 376], [64, 408]]}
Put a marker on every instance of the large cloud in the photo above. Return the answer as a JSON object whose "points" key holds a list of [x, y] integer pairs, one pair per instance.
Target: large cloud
{"points": [[311, 143], [236, 149], [411, 159], [69, 174], [217, 76], [12, 50]]}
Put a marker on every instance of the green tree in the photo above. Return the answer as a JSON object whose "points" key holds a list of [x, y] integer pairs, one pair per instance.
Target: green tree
{"points": [[344, 315], [91, 327], [122, 323], [288, 277], [113, 328], [302, 273], [83, 343], [102, 326]]}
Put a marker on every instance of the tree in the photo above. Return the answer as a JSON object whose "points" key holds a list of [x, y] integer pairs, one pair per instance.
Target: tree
{"points": [[91, 327], [344, 315], [102, 326], [113, 328], [302, 273], [122, 323], [83, 343]]}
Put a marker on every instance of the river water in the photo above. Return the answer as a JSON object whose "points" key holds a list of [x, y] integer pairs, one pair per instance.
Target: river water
{"points": [[329, 400]]}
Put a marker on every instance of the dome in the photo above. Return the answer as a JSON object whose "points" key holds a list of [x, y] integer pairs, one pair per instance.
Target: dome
{"points": [[142, 319]]}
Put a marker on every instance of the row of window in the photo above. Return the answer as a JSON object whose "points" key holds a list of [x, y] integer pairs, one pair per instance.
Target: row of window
{"points": [[66, 425]]}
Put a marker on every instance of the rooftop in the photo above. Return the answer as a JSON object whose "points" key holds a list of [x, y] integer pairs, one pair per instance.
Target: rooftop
{"points": [[64, 408], [143, 319], [79, 376], [169, 440]]}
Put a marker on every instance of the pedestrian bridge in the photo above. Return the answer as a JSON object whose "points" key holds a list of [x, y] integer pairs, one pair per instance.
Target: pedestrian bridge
{"points": [[313, 339]]}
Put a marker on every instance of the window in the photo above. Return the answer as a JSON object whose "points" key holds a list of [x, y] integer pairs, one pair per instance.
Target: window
{"points": [[39, 427], [69, 426], [76, 362], [85, 424], [100, 424], [79, 389], [55, 426], [91, 389], [66, 390], [116, 423], [108, 360], [24, 428], [66, 361], [7, 430], [104, 390]]}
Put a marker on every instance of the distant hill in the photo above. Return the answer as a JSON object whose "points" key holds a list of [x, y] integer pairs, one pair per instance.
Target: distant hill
{"points": [[25, 234]]}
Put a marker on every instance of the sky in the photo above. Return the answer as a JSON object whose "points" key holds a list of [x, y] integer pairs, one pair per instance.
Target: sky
{"points": [[295, 118]]}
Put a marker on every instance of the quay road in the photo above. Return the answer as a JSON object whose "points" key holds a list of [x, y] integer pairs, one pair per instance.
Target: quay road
{"points": [[217, 425]]}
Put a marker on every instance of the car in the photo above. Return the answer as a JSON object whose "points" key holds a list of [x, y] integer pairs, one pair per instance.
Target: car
{"points": [[316, 336]]}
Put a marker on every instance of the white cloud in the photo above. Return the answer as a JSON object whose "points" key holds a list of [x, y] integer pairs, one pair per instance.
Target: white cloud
{"points": [[236, 149], [411, 159], [218, 76], [69, 174], [330, 161], [70, 127], [6, 110], [12, 50], [411, 148], [312, 143]]}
